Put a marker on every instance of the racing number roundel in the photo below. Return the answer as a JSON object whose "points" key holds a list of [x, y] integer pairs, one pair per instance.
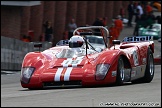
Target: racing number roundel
{"points": [[72, 62], [135, 58]]}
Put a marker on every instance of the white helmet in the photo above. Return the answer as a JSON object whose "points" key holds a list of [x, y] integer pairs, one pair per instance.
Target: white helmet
{"points": [[76, 41]]}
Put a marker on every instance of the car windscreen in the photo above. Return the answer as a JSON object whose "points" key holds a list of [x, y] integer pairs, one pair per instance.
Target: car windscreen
{"points": [[95, 39], [73, 52]]}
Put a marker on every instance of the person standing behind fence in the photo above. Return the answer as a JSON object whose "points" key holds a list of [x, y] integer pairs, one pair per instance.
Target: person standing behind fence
{"points": [[158, 19], [71, 27], [118, 24], [104, 21], [97, 22], [137, 15], [151, 19], [130, 10], [25, 38], [140, 8], [48, 31], [141, 22], [148, 8], [113, 32], [137, 26]]}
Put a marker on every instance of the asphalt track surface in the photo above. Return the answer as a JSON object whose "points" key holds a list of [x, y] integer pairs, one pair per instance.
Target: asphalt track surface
{"points": [[139, 95], [128, 95]]}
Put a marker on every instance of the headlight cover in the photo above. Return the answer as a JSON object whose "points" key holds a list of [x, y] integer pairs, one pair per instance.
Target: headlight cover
{"points": [[26, 73], [101, 71]]}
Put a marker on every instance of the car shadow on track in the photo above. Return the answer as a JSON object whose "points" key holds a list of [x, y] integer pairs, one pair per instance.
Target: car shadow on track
{"points": [[82, 87]]}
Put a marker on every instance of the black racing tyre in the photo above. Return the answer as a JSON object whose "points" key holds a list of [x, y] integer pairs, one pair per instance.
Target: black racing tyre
{"points": [[120, 72], [150, 68]]}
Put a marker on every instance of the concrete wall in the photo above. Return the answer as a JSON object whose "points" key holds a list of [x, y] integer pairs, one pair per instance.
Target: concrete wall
{"points": [[14, 50]]}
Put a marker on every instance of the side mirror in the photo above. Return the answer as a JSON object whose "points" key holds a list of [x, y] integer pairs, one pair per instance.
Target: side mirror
{"points": [[38, 45], [115, 42]]}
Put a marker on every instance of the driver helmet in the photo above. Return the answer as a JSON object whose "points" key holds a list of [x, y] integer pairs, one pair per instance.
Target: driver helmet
{"points": [[76, 41]]}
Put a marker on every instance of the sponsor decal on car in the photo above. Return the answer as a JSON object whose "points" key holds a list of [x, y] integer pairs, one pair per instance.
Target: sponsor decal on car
{"points": [[133, 73], [137, 38], [113, 73], [135, 58], [72, 62], [144, 60]]}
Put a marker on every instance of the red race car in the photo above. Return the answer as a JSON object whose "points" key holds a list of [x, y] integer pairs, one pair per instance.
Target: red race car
{"points": [[84, 62]]}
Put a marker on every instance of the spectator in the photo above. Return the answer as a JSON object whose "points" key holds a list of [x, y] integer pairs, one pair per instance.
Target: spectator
{"points": [[25, 38], [113, 32], [143, 3], [48, 31], [137, 15], [29, 38], [137, 26], [97, 22], [141, 22], [104, 21], [122, 12], [158, 18], [151, 19], [31, 34], [140, 8], [130, 10], [135, 4], [71, 27], [118, 24], [148, 8]]}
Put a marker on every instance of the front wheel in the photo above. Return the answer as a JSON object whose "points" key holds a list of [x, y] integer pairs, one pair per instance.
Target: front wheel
{"points": [[120, 72]]}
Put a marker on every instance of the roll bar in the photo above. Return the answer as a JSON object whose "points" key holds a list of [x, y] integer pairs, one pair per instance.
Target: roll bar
{"points": [[90, 30], [91, 27], [104, 31]]}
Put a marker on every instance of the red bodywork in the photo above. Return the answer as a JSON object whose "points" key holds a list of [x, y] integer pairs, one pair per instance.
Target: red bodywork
{"points": [[50, 69]]}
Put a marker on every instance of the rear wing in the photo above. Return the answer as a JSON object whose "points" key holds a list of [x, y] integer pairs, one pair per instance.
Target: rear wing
{"points": [[138, 39]]}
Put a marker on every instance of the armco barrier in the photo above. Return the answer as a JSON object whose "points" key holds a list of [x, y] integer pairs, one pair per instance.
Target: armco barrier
{"points": [[14, 50]]}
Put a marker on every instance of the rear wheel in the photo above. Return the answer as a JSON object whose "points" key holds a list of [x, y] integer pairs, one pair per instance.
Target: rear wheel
{"points": [[120, 72], [149, 72]]}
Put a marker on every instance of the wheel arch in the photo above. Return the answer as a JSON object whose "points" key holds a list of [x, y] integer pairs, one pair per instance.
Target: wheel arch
{"points": [[126, 61], [151, 47]]}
